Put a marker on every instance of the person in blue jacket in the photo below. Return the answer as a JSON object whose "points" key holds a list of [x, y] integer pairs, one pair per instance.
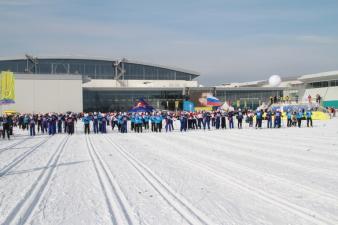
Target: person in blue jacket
{"points": [[86, 121], [259, 118], [158, 122], [153, 124], [299, 118], [308, 118], [138, 121], [119, 121], [146, 119], [289, 118], [25, 122]]}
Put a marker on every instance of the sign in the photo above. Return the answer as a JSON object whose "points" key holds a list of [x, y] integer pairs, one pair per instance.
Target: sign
{"points": [[7, 88]]}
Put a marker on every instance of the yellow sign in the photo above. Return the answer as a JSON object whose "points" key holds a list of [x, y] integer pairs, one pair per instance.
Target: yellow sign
{"points": [[207, 108], [7, 87], [176, 104]]}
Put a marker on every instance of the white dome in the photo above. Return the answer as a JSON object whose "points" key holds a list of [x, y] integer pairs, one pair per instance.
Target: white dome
{"points": [[275, 80]]}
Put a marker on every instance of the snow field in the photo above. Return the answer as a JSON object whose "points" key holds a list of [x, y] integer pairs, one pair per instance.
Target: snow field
{"points": [[248, 176]]}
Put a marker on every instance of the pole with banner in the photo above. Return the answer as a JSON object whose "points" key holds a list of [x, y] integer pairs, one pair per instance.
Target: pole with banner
{"points": [[7, 88]]}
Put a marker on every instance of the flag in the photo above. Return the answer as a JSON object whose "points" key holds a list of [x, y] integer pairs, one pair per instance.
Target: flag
{"points": [[213, 101], [7, 88], [141, 106], [188, 106]]}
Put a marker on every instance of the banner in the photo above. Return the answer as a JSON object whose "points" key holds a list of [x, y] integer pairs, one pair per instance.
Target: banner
{"points": [[7, 87], [188, 106]]}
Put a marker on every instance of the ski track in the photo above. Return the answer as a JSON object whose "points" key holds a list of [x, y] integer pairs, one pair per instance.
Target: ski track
{"points": [[182, 206], [210, 166], [117, 204], [253, 151], [212, 160], [21, 213], [4, 170], [301, 164], [13, 145], [244, 151]]}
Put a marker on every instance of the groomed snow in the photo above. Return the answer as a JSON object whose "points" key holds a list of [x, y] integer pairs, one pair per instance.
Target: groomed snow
{"points": [[248, 176]]}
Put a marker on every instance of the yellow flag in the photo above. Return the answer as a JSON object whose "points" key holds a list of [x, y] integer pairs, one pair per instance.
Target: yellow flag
{"points": [[7, 86]]}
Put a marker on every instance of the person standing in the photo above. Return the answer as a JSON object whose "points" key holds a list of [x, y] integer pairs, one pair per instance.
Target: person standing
{"points": [[231, 119], [269, 118], [6, 126], [206, 120], [146, 121], [70, 124], [158, 122], [183, 122], [168, 123], [289, 118], [104, 124], [223, 120], [308, 118], [278, 119], [25, 122], [299, 118], [153, 124], [39, 123], [132, 122], [124, 123], [59, 123], [259, 118], [95, 123], [239, 119], [31, 126], [217, 120], [199, 120], [138, 123], [86, 122]]}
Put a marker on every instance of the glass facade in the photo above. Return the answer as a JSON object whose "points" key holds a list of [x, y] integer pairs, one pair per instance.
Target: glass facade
{"points": [[95, 69], [105, 101], [123, 100], [323, 84], [247, 98]]}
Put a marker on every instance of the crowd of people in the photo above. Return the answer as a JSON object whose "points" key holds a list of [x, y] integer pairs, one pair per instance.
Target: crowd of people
{"points": [[53, 123]]}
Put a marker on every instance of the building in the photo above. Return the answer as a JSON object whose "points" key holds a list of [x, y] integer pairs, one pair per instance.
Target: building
{"points": [[101, 84], [299, 88], [45, 84]]}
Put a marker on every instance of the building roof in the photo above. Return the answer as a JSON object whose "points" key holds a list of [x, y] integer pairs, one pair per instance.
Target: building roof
{"points": [[82, 57], [330, 75]]}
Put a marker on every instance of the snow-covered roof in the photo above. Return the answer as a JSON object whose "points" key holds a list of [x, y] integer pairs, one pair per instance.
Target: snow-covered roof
{"points": [[330, 75]]}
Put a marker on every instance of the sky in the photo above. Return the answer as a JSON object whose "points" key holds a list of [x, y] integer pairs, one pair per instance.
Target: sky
{"points": [[223, 40]]}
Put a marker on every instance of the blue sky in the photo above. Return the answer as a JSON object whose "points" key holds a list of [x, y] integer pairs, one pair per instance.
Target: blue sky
{"points": [[229, 40]]}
